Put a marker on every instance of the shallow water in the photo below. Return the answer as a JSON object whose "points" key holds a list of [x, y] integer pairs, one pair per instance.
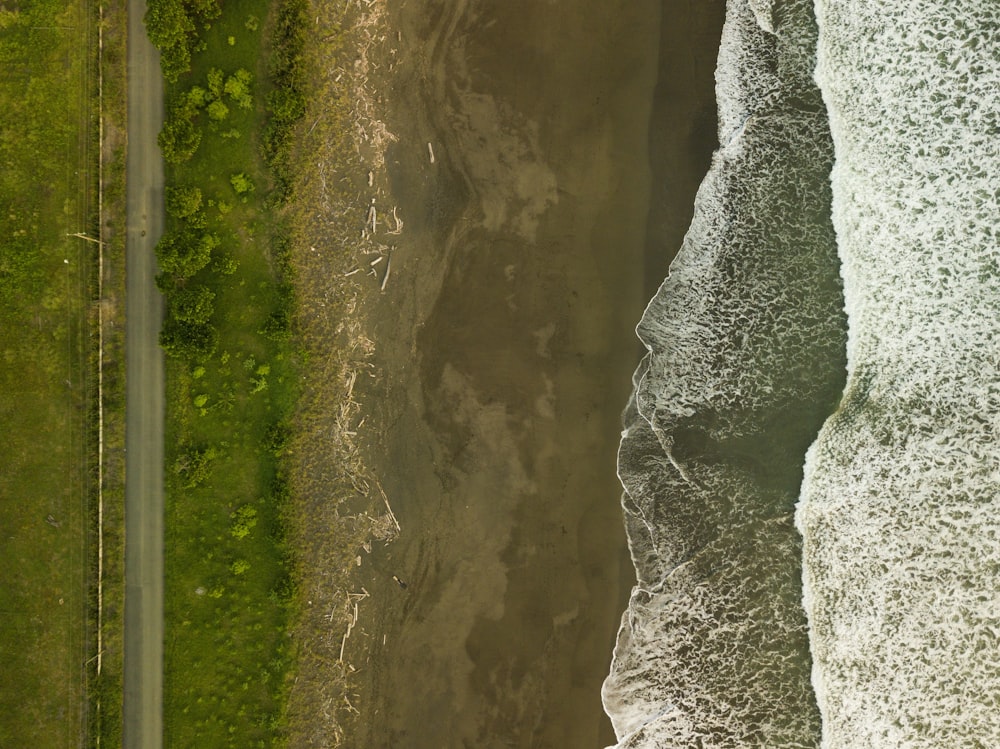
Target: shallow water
{"points": [[745, 340]]}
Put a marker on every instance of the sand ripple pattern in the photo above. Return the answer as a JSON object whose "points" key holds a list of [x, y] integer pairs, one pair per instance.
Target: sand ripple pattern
{"points": [[745, 341], [899, 508]]}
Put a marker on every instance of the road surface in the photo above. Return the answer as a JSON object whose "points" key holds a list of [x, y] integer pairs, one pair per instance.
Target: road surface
{"points": [[143, 699]]}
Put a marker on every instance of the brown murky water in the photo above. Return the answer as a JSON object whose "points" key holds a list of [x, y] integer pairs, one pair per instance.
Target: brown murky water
{"points": [[506, 341]]}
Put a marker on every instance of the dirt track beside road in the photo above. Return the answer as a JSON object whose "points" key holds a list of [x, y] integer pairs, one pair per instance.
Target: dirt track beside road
{"points": [[143, 698]]}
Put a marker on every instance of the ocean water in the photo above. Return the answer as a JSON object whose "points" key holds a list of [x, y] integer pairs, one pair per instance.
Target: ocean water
{"points": [[844, 594], [899, 511], [745, 359]]}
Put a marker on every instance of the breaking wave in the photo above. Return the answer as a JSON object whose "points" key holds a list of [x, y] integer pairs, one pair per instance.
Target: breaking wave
{"points": [[898, 542], [899, 510], [745, 359]]}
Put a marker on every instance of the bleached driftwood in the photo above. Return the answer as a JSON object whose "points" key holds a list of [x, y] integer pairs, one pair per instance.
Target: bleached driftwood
{"points": [[385, 280], [430, 151], [387, 506], [399, 222]]}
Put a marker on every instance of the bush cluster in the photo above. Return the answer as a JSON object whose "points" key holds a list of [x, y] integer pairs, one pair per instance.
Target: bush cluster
{"points": [[182, 252], [180, 137], [232, 384], [172, 26], [286, 104], [187, 247]]}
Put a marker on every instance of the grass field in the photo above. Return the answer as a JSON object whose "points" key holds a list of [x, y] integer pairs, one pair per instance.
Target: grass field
{"points": [[228, 588], [48, 179]]}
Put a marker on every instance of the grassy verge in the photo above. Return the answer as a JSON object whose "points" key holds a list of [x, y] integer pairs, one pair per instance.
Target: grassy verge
{"points": [[48, 146], [107, 519], [231, 389]]}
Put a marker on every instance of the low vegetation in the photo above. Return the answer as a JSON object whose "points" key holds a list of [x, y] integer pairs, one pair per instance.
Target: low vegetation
{"points": [[231, 376], [48, 282], [269, 501]]}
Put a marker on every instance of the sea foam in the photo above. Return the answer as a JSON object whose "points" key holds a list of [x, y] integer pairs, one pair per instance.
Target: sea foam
{"points": [[899, 509], [745, 344]]}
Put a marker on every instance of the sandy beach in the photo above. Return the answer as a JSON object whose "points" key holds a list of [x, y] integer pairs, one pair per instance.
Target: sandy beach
{"points": [[521, 170]]}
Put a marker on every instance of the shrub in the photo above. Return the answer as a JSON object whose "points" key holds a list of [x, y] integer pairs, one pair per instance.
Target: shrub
{"points": [[192, 304], [281, 252], [184, 252], [283, 591], [183, 202], [180, 137], [186, 340], [277, 326], [276, 438], [217, 110], [206, 10], [194, 463], [238, 88], [197, 97], [287, 105], [172, 30], [215, 82], [244, 520], [241, 183], [226, 265]]}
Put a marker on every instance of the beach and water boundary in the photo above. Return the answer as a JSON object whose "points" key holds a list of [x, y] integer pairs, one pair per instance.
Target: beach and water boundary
{"points": [[520, 168]]}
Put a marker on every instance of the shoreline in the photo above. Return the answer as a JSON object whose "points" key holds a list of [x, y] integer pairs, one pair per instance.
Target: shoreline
{"points": [[505, 352], [684, 106]]}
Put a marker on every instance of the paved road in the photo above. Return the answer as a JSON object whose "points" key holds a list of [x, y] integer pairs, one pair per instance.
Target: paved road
{"points": [[143, 702]]}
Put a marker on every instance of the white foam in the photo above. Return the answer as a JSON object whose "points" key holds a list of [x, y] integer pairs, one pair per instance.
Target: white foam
{"points": [[744, 336], [763, 11], [899, 509]]}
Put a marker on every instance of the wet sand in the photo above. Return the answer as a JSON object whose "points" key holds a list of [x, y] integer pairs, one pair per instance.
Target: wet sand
{"points": [[505, 344]]}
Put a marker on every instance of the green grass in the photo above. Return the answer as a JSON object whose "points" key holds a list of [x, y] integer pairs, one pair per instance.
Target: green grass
{"points": [[228, 587], [48, 151]]}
